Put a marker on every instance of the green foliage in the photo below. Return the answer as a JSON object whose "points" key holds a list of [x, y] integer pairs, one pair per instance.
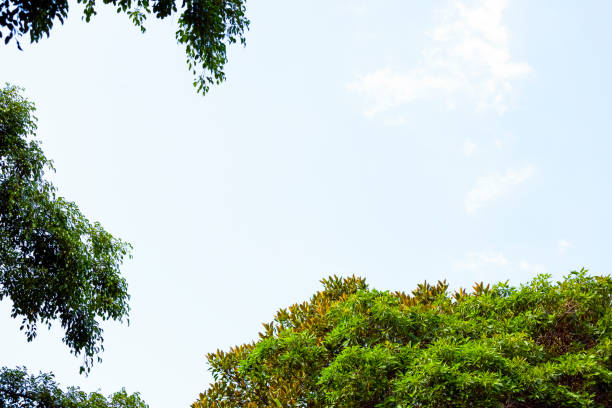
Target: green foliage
{"points": [[18, 389], [54, 263], [542, 345], [205, 27]]}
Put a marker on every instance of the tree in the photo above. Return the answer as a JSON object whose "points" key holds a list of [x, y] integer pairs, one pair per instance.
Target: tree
{"points": [[18, 389], [539, 345], [205, 27], [54, 263]]}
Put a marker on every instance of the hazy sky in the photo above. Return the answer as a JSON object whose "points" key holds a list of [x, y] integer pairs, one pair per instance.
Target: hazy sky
{"points": [[397, 140]]}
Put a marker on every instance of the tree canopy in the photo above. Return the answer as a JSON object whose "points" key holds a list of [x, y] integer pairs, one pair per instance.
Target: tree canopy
{"points": [[205, 27], [18, 389], [541, 345], [54, 263]]}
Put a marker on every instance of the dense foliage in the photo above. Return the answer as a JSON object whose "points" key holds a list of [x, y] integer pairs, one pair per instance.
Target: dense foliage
{"points": [[54, 263], [542, 344], [205, 27], [18, 389]]}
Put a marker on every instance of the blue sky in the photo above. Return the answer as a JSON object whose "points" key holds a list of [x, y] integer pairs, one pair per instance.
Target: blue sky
{"points": [[396, 140]]}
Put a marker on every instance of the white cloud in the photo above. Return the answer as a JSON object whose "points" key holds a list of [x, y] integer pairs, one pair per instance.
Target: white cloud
{"points": [[481, 261], [492, 267], [469, 147], [395, 121], [564, 245], [489, 188], [532, 269], [468, 55], [480, 266], [359, 8]]}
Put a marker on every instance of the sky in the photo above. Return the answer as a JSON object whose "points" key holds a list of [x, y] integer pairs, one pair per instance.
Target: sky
{"points": [[400, 141]]}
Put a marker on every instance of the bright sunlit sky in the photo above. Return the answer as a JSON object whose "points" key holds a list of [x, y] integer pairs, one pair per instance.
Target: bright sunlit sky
{"points": [[396, 140]]}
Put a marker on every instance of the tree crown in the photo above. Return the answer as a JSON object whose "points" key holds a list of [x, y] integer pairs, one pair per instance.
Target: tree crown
{"points": [[205, 27], [54, 263], [542, 344], [19, 389]]}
